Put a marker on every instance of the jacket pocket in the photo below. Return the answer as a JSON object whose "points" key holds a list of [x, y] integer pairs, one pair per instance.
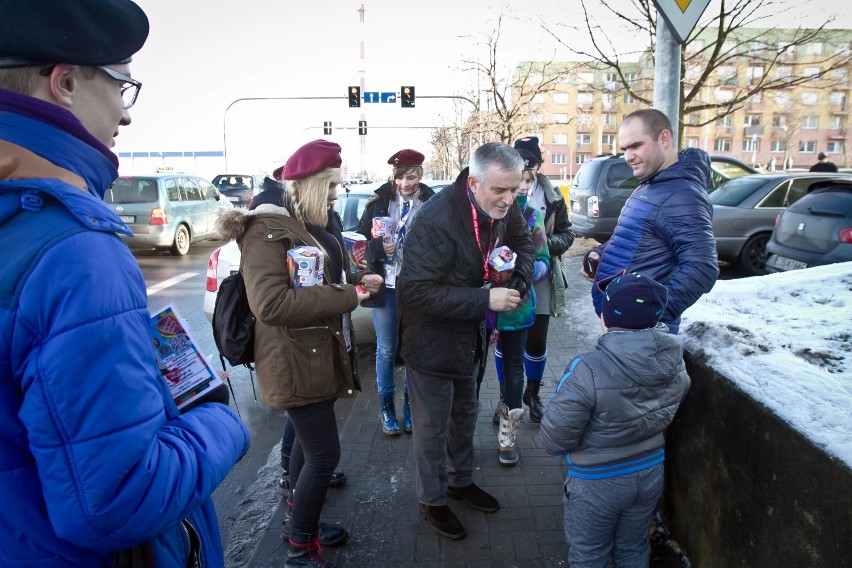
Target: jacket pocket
{"points": [[312, 356]]}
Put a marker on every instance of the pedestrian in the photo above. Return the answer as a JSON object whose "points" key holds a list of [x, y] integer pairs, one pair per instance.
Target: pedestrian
{"points": [[550, 291], [512, 326], [771, 165], [273, 193], [99, 468], [823, 165], [665, 229], [399, 199], [443, 296], [303, 347], [607, 418]]}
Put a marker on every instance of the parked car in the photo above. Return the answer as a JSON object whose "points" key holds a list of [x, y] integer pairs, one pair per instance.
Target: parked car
{"points": [[439, 184], [604, 183], [816, 230], [240, 189], [225, 260], [166, 209], [745, 210]]}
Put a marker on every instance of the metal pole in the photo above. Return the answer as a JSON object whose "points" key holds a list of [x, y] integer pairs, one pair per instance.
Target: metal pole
{"points": [[667, 76]]}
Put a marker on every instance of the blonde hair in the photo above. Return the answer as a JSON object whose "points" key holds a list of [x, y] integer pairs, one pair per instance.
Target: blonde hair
{"points": [[310, 196]]}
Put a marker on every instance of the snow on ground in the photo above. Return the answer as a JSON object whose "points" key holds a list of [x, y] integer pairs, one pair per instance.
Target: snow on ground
{"points": [[786, 340]]}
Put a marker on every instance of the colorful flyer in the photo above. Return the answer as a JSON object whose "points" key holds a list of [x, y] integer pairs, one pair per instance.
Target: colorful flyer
{"points": [[185, 369]]}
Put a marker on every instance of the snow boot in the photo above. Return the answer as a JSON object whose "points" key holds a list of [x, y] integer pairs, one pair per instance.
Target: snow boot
{"points": [[305, 551], [389, 424], [532, 400], [509, 422]]}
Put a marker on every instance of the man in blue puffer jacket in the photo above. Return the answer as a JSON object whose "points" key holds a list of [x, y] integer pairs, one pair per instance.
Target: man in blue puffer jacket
{"points": [[665, 229], [97, 465]]}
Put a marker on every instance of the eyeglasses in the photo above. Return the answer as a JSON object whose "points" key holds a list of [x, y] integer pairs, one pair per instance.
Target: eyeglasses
{"points": [[129, 86]]}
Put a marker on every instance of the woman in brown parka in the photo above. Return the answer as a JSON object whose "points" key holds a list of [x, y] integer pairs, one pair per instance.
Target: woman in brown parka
{"points": [[303, 342]]}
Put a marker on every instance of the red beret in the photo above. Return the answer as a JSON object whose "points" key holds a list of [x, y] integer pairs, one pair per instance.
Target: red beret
{"points": [[277, 173], [406, 159], [312, 158]]}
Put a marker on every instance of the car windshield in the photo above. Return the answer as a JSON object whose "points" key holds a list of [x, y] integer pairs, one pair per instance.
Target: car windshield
{"points": [[733, 192], [728, 170], [132, 190], [233, 181]]}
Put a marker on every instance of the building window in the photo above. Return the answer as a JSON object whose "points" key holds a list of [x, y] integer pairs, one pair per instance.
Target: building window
{"points": [[814, 48], [840, 75], [586, 119], [779, 120], [756, 46], [584, 139], [607, 100], [586, 79], [784, 72], [781, 98], [583, 158], [629, 99], [608, 118], [811, 71], [751, 145], [809, 122], [754, 74], [561, 98], [560, 118], [558, 159], [692, 142], [722, 145], [729, 46], [695, 45], [608, 139], [559, 138], [835, 147], [752, 120], [838, 99], [585, 99], [631, 77], [807, 146], [835, 121], [810, 98], [724, 95], [536, 118], [726, 120], [842, 49], [756, 98], [726, 71], [778, 146], [538, 99]]}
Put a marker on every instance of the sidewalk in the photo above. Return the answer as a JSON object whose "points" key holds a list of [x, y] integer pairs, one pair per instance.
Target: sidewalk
{"points": [[378, 504]]}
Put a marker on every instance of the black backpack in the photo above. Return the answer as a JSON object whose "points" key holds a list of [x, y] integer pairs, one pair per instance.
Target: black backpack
{"points": [[233, 324]]}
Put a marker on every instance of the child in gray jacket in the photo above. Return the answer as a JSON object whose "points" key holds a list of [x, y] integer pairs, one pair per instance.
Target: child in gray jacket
{"points": [[607, 418]]}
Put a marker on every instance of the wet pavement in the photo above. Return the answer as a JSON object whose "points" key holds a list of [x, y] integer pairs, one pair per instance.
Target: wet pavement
{"points": [[378, 504]]}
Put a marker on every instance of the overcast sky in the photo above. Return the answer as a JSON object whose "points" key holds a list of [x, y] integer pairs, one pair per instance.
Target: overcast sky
{"points": [[201, 56]]}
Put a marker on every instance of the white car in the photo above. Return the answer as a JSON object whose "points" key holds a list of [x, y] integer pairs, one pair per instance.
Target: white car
{"points": [[225, 261]]}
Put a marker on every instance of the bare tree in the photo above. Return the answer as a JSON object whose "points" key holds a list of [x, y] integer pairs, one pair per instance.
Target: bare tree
{"points": [[726, 53]]}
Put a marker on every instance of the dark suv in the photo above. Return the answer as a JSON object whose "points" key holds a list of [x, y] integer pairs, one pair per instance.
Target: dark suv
{"points": [[239, 189], [604, 183]]}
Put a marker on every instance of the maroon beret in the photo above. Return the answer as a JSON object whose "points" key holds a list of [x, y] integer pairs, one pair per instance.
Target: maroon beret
{"points": [[277, 173], [312, 158], [407, 159]]}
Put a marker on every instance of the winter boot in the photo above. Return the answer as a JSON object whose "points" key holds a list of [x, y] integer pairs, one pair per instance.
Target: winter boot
{"points": [[496, 418], [389, 424], [305, 551], [338, 478], [406, 413], [509, 422], [532, 400]]}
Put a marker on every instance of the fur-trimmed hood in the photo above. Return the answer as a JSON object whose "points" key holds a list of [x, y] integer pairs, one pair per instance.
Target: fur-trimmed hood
{"points": [[232, 223]]}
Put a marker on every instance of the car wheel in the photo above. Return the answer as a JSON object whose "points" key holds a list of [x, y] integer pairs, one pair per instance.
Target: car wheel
{"points": [[752, 261], [181, 244]]}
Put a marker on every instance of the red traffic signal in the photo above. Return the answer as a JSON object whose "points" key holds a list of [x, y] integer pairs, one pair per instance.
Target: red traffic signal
{"points": [[354, 96], [407, 98]]}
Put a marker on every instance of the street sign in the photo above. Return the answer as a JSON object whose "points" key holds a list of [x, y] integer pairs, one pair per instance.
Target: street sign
{"points": [[682, 15], [372, 97], [388, 97]]}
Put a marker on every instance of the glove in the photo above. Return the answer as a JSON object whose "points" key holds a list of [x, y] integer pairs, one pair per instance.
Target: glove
{"points": [[219, 394], [517, 282], [540, 270]]}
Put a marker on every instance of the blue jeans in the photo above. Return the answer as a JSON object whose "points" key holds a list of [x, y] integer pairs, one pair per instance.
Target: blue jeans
{"points": [[611, 516], [512, 344], [387, 335]]}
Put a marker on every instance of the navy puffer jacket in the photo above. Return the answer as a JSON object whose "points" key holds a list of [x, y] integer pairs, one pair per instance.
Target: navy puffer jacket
{"points": [[665, 231]]}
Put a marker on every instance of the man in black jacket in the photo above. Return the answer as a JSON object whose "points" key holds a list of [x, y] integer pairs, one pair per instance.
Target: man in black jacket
{"points": [[443, 296]]}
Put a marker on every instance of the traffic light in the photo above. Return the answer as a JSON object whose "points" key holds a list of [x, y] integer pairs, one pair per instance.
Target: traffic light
{"points": [[354, 96], [326, 127], [362, 127], [407, 96]]}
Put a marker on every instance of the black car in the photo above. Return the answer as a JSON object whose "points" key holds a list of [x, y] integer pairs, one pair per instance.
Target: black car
{"points": [[815, 230], [239, 189], [604, 183]]}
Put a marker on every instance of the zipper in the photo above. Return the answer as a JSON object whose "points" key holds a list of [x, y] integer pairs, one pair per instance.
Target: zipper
{"points": [[193, 559]]}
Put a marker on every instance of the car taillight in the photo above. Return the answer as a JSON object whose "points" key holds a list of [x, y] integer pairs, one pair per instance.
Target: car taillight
{"points": [[846, 235], [592, 209], [212, 266], [158, 216]]}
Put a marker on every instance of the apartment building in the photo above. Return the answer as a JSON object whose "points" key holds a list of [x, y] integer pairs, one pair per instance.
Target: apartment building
{"points": [[579, 119]]}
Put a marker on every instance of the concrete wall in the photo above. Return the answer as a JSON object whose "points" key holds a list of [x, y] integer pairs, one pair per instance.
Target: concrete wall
{"points": [[745, 489]]}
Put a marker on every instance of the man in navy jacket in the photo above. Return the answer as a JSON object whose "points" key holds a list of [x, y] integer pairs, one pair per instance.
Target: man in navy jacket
{"points": [[665, 229]]}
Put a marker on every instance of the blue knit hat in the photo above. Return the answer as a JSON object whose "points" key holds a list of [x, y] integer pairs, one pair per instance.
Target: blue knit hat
{"points": [[633, 301]]}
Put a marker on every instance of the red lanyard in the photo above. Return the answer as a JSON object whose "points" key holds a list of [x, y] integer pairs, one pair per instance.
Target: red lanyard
{"points": [[485, 255]]}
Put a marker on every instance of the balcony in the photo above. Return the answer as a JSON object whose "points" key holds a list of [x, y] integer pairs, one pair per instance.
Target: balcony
{"points": [[837, 133], [842, 108], [584, 127], [608, 127], [724, 131]]}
